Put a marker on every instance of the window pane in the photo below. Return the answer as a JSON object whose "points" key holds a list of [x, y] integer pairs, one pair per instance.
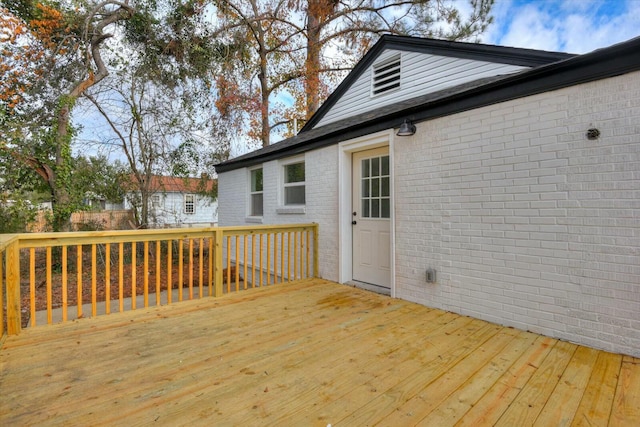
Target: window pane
{"points": [[365, 168], [385, 165], [386, 210], [384, 190], [365, 188], [375, 187], [294, 195], [375, 166], [256, 204], [256, 180], [365, 208], [375, 208], [294, 173]]}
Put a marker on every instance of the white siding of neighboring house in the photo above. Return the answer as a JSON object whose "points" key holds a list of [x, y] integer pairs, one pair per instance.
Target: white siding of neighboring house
{"points": [[420, 74], [171, 213], [527, 222]]}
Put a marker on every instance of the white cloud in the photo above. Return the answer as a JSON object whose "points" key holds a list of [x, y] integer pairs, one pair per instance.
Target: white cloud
{"points": [[575, 26]]}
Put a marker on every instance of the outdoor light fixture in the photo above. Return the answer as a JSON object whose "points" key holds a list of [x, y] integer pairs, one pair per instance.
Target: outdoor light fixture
{"points": [[406, 129], [593, 134]]}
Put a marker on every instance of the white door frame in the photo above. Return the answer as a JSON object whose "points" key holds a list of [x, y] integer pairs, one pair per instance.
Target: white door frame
{"points": [[345, 229]]}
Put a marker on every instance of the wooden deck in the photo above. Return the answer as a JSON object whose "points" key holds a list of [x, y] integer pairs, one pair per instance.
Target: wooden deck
{"points": [[303, 354]]}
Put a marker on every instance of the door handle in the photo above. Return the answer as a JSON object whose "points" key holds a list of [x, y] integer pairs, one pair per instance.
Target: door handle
{"points": [[353, 222]]}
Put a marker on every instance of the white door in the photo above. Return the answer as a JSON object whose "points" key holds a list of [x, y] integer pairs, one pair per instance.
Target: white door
{"points": [[371, 213]]}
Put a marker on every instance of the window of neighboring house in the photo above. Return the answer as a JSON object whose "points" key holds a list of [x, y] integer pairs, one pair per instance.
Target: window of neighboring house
{"points": [[155, 201], [386, 76], [189, 203], [294, 184], [256, 192]]}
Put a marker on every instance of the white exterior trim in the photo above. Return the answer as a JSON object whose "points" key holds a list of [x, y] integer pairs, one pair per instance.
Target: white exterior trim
{"points": [[345, 246]]}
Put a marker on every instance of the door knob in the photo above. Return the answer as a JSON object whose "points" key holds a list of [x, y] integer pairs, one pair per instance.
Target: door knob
{"points": [[353, 222]]}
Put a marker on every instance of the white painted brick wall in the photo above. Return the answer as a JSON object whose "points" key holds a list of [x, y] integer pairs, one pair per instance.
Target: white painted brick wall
{"points": [[528, 223], [321, 174]]}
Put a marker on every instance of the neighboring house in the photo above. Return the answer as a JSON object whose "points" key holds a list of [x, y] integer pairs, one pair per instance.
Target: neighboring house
{"points": [[179, 202], [514, 196]]}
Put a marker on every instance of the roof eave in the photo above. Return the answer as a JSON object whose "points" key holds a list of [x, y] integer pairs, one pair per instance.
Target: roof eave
{"points": [[603, 63]]}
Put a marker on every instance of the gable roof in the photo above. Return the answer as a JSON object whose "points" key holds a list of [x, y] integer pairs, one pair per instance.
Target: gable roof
{"points": [[565, 71], [473, 51]]}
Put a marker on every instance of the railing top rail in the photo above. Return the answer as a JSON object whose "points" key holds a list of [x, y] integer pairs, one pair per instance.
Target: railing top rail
{"points": [[30, 240], [7, 239]]}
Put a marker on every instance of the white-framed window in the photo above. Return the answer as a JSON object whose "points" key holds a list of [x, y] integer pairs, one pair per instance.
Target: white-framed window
{"points": [[294, 188], [255, 192], [155, 201], [386, 76], [189, 203]]}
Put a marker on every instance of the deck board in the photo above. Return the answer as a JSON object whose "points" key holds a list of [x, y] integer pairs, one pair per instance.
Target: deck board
{"points": [[307, 353]]}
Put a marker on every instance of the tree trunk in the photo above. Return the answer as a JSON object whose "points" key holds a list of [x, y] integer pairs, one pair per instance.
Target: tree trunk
{"points": [[312, 62]]}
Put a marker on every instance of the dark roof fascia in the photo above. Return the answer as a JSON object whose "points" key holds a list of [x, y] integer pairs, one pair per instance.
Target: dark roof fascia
{"points": [[600, 64], [476, 51]]}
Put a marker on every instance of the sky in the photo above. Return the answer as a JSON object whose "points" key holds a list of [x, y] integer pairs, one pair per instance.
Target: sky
{"points": [[573, 26]]}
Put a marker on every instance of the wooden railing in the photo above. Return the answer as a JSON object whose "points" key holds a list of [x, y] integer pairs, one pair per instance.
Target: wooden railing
{"points": [[57, 277]]}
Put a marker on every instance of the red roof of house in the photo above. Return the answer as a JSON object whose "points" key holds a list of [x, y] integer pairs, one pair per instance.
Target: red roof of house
{"points": [[174, 184]]}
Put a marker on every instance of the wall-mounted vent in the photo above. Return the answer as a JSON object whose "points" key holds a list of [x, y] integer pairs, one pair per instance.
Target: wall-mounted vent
{"points": [[386, 76]]}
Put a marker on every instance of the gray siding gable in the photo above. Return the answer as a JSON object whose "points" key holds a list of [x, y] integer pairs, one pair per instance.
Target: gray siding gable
{"points": [[420, 52], [421, 74]]}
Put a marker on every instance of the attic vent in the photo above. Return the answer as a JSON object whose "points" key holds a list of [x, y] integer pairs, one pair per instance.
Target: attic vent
{"points": [[386, 76]]}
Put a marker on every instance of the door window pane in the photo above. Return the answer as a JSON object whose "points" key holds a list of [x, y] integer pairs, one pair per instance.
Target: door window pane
{"points": [[375, 166], [385, 208]]}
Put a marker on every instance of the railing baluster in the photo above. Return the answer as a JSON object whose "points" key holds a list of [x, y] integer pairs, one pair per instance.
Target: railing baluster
{"points": [[237, 273], [49, 290], [262, 262], [281, 257], [307, 259], [245, 261], [79, 298], [169, 271], [134, 278], [268, 268], [121, 274], [158, 272], [94, 285], [200, 268], [210, 260], [190, 269], [145, 273], [219, 233], [275, 258], [180, 267], [253, 261], [295, 255], [65, 285], [228, 275], [32, 285], [107, 278], [289, 257]]}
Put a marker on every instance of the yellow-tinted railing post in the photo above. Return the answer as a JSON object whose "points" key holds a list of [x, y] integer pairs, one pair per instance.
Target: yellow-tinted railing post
{"points": [[315, 251], [218, 236], [14, 320]]}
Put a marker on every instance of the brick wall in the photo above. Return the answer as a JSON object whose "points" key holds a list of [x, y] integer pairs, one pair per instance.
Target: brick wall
{"points": [[528, 222]]}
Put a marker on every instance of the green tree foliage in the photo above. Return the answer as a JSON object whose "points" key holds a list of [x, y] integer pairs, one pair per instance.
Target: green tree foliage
{"points": [[51, 55]]}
